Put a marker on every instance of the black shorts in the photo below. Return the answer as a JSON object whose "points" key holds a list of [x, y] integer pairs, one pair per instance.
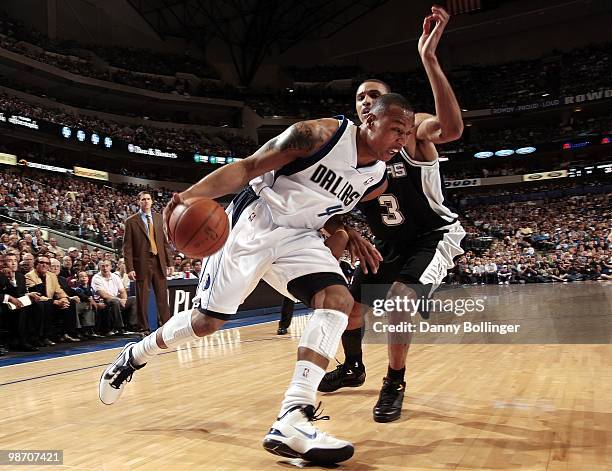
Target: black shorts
{"points": [[422, 263]]}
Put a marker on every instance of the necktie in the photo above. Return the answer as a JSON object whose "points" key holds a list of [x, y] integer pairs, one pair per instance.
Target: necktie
{"points": [[151, 235]]}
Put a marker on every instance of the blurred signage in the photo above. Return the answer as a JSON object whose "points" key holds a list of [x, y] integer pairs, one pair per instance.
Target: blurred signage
{"points": [[90, 173], [8, 159], [462, 183], [529, 177], [589, 96], [150, 151]]}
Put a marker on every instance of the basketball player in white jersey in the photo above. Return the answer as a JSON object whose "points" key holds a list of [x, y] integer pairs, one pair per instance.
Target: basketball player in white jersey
{"points": [[296, 182], [415, 230]]}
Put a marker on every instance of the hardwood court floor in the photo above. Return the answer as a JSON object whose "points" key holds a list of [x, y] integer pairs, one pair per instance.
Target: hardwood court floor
{"points": [[207, 406]]}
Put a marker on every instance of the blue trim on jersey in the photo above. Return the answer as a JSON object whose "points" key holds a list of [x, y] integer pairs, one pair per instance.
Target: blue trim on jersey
{"points": [[303, 163], [241, 201]]}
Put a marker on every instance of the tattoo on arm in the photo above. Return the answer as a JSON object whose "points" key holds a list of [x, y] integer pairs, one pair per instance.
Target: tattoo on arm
{"points": [[300, 136]]}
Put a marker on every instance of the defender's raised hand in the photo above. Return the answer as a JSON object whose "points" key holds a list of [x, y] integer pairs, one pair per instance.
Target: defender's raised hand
{"points": [[433, 27]]}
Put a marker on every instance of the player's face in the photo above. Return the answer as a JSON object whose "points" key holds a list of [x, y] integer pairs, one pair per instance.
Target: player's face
{"points": [[367, 94], [389, 132]]}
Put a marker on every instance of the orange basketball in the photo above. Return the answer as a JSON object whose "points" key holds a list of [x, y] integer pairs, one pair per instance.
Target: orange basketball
{"points": [[198, 227]]}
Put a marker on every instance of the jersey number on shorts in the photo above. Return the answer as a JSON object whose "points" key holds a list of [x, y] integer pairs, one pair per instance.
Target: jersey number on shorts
{"points": [[393, 216]]}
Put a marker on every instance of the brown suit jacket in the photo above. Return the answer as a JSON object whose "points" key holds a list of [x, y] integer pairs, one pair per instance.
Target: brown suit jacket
{"points": [[53, 288], [136, 247]]}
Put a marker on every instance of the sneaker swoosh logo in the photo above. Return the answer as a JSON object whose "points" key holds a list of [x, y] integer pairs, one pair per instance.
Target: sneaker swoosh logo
{"points": [[312, 436]]}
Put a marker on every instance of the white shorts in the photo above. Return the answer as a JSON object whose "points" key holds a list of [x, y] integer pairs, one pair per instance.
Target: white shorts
{"points": [[259, 249]]}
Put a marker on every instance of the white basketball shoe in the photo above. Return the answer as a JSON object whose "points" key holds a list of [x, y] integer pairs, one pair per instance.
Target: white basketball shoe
{"points": [[294, 436], [116, 375]]}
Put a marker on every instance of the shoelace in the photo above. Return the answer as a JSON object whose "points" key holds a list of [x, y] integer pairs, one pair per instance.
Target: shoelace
{"points": [[314, 414], [124, 376], [337, 373]]}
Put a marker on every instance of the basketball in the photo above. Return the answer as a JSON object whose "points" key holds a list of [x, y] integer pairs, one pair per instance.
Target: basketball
{"points": [[198, 227]]}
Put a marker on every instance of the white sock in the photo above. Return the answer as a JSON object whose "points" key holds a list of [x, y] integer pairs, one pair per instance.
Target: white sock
{"points": [[302, 390], [146, 349], [177, 331]]}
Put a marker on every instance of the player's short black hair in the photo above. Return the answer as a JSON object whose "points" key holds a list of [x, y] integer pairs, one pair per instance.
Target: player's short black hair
{"points": [[384, 84], [383, 103]]}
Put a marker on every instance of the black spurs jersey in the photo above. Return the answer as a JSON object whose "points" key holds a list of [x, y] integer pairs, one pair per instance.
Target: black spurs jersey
{"points": [[413, 203]]}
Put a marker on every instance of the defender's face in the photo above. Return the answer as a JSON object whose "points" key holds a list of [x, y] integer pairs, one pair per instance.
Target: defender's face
{"points": [[367, 94], [389, 131]]}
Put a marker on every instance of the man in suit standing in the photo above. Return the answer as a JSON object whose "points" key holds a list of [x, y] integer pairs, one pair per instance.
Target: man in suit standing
{"points": [[148, 258]]}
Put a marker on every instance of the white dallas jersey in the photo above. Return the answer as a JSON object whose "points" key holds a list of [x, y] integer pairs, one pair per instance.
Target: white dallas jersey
{"points": [[308, 191]]}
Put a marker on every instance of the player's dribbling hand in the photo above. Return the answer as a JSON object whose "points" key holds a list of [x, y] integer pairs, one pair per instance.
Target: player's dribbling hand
{"points": [[433, 26], [173, 203], [362, 250]]}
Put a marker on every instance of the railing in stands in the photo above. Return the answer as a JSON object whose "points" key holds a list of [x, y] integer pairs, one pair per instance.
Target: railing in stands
{"points": [[62, 232]]}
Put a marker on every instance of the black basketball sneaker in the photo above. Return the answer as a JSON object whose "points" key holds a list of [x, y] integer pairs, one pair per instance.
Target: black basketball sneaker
{"points": [[344, 376]]}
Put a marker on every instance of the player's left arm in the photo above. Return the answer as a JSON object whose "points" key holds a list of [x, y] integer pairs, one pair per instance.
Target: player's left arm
{"points": [[447, 124]]}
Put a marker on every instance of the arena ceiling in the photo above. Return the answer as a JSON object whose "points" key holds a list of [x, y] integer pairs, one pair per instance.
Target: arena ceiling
{"points": [[252, 28]]}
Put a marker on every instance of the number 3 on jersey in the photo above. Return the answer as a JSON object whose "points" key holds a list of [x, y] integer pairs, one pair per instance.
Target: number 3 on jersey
{"points": [[393, 216]]}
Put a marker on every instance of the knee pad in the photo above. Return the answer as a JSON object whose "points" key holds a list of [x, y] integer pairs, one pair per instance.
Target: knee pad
{"points": [[178, 329], [323, 331]]}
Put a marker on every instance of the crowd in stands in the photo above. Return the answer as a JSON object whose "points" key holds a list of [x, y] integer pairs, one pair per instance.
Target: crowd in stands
{"points": [[512, 137], [558, 234], [548, 232], [556, 239], [143, 60], [477, 86], [52, 295], [167, 139], [91, 210], [134, 67]]}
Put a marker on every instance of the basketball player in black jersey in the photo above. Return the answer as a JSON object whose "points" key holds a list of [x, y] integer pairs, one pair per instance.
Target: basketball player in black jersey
{"points": [[415, 231]]}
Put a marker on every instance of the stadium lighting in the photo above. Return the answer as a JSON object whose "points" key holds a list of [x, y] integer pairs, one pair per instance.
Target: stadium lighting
{"points": [[504, 152], [525, 150], [483, 155], [545, 94]]}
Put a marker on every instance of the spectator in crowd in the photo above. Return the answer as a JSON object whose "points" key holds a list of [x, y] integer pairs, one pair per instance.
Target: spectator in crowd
{"points": [[55, 249], [54, 267], [24, 316], [121, 271], [178, 261], [66, 269], [57, 315], [197, 268], [118, 311], [86, 306], [490, 272], [27, 262]]}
